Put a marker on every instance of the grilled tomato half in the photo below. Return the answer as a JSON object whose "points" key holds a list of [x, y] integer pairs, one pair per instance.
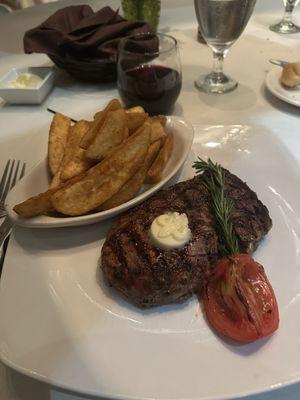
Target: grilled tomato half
{"points": [[239, 301]]}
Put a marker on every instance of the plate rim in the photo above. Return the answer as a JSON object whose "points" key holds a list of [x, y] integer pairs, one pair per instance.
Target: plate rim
{"points": [[116, 396]]}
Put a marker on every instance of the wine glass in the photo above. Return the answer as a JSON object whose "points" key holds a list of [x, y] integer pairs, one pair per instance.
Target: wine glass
{"points": [[221, 22], [286, 25], [149, 72]]}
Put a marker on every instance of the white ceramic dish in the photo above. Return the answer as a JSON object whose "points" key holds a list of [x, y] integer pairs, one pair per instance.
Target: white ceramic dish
{"points": [[291, 96], [61, 324], [27, 95], [38, 181]]}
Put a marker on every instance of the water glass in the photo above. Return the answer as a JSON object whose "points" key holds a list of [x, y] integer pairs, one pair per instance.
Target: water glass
{"points": [[286, 25], [221, 22]]}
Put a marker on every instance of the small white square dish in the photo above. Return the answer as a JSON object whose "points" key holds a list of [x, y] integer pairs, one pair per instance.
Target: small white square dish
{"points": [[26, 95]]}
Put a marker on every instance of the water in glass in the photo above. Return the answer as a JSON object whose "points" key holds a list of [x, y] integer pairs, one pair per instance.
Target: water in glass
{"points": [[221, 23]]}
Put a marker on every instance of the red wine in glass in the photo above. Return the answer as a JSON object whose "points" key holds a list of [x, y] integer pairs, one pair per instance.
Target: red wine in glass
{"points": [[149, 72], [154, 87]]}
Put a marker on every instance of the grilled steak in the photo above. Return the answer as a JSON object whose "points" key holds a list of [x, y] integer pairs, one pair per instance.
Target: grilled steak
{"points": [[149, 276]]}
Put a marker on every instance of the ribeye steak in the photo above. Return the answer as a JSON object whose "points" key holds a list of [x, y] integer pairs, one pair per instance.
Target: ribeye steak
{"points": [[148, 276]]}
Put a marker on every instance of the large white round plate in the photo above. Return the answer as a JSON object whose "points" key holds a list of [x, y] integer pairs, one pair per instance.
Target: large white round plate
{"points": [[291, 96], [60, 323], [38, 181]]}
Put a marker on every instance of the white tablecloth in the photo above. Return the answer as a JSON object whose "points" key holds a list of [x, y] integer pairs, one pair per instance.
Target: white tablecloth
{"points": [[23, 130]]}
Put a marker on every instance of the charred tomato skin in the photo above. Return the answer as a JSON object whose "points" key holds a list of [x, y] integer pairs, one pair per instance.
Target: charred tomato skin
{"points": [[239, 301]]}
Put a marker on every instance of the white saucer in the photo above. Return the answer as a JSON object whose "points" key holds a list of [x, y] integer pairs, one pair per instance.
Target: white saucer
{"points": [[291, 96]]}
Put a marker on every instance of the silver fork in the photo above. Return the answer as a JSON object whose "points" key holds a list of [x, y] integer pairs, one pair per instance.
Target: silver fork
{"points": [[280, 63], [13, 171]]}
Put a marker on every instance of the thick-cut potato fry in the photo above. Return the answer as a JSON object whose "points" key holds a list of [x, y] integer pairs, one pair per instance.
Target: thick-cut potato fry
{"points": [[136, 109], [152, 153], [159, 142], [76, 166], [56, 179], [162, 119], [157, 131], [41, 203], [58, 134], [142, 127], [155, 171], [112, 133], [134, 184], [76, 132], [134, 120], [98, 114], [74, 162], [104, 179], [98, 122], [35, 205]]}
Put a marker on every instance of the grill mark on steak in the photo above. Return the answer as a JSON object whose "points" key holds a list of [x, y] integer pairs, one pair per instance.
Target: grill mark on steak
{"points": [[149, 276]]}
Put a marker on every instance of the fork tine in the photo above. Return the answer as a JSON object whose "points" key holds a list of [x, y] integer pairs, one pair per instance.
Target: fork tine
{"points": [[15, 175], [23, 171], [3, 179], [7, 185]]}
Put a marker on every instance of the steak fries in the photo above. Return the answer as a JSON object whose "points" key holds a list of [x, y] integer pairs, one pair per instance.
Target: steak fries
{"points": [[100, 164], [154, 174], [58, 134], [113, 133], [99, 118], [74, 161], [104, 179], [135, 183]]}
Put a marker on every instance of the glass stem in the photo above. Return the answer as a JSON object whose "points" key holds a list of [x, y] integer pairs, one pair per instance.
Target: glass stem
{"points": [[218, 62], [288, 9]]}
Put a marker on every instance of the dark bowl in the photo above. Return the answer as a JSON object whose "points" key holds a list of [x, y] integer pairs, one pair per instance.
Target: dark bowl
{"points": [[95, 71]]}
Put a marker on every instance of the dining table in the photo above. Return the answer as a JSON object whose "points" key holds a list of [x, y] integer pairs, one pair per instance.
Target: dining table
{"points": [[24, 128]]}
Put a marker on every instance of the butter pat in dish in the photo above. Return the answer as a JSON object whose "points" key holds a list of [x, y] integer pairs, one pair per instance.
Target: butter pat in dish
{"points": [[26, 81], [28, 85]]}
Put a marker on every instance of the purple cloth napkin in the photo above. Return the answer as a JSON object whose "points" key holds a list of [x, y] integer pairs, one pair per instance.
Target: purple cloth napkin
{"points": [[79, 33], [76, 35]]}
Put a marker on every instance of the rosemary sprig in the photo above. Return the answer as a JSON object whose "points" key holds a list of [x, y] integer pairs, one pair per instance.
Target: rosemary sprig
{"points": [[213, 179]]}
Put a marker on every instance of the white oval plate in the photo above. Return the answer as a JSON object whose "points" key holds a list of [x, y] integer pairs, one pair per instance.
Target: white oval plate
{"points": [[60, 323], [38, 181], [291, 96]]}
